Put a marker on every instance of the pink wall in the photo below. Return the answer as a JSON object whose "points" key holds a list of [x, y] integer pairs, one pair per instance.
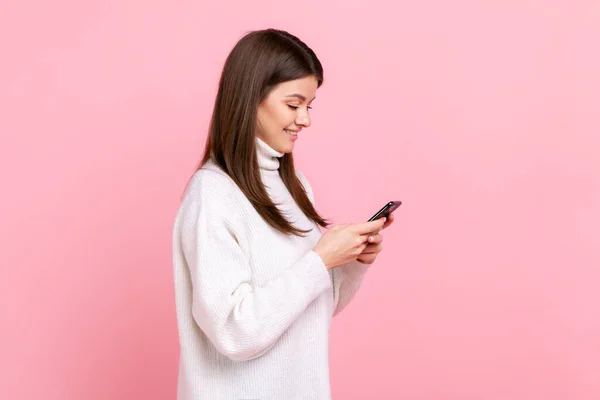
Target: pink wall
{"points": [[482, 118]]}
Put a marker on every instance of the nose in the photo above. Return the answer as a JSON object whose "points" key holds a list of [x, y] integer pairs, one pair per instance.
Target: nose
{"points": [[303, 119]]}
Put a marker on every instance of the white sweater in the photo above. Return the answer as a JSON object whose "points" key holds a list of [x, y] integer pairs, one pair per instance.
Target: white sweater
{"points": [[254, 306]]}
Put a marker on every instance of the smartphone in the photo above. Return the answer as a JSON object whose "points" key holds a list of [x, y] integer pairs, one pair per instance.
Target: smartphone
{"points": [[386, 210]]}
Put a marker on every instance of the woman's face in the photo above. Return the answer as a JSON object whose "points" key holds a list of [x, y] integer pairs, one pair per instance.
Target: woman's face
{"points": [[284, 113]]}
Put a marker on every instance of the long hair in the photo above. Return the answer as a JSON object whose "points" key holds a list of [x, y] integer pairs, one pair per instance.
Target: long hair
{"points": [[257, 63]]}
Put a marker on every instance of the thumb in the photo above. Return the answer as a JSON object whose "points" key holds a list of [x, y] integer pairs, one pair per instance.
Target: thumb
{"points": [[368, 227]]}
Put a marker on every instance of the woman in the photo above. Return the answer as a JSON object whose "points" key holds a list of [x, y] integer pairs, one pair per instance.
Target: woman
{"points": [[256, 282]]}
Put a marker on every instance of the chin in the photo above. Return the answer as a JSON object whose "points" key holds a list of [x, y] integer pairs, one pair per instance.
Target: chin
{"points": [[285, 147]]}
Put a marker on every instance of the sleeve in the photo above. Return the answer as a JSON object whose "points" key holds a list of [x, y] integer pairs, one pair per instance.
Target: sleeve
{"points": [[241, 320], [346, 279]]}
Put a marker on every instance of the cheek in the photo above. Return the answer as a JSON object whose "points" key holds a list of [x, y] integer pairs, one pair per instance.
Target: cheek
{"points": [[280, 117], [267, 120], [275, 116]]}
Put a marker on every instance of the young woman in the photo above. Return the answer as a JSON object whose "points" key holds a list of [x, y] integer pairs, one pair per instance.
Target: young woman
{"points": [[256, 282]]}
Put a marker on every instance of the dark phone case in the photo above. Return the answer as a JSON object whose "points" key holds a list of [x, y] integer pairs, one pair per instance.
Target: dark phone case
{"points": [[386, 210]]}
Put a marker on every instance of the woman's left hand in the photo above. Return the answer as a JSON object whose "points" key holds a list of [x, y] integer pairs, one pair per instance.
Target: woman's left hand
{"points": [[374, 247]]}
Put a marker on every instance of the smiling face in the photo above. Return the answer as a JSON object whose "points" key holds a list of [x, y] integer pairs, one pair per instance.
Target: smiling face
{"points": [[285, 112]]}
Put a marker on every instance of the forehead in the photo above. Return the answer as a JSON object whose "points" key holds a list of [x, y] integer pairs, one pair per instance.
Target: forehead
{"points": [[306, 86]]}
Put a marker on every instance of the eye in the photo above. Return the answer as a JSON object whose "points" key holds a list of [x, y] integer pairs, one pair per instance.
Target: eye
{"points": [[293, 107]]}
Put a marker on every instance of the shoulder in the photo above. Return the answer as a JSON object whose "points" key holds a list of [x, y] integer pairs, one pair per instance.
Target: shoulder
{"points": [[210, 181], [207, 209], [210, 193]]}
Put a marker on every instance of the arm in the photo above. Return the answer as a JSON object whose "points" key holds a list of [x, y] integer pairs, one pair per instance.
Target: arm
{"points": [[241, 320], [345, 280]]}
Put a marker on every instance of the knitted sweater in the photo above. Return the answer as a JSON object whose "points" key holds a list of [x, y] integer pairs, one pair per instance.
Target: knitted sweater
{"points": [[254, 306]]}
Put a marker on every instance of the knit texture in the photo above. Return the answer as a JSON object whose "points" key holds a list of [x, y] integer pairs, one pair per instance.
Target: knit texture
{"points": [[254, 306]]}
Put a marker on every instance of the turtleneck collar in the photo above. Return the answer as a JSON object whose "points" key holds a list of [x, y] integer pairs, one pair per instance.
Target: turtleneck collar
{"points": [[268, 158]]}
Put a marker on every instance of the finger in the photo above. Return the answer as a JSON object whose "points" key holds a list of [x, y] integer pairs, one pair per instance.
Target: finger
{"points": [[366, 259], [376, 238], [389, 221], [368, 227], [364, 239], [373, 249], [360, 250]]}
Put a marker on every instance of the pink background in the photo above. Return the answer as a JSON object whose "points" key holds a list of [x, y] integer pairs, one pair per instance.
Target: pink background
{"points": [[481, 116]]}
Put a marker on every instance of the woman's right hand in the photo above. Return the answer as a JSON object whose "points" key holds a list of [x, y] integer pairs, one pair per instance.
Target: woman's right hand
{"points": [[344, 243]]}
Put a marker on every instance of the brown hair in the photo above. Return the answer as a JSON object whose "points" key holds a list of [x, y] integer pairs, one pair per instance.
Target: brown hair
{"points": [[257, 63]]}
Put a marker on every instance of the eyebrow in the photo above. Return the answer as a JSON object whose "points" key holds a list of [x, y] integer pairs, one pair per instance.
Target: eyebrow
{"points": [[298, 95]]}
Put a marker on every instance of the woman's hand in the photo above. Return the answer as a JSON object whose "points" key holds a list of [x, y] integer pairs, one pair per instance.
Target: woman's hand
{"points": [[344, 243], [374, 246]]}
